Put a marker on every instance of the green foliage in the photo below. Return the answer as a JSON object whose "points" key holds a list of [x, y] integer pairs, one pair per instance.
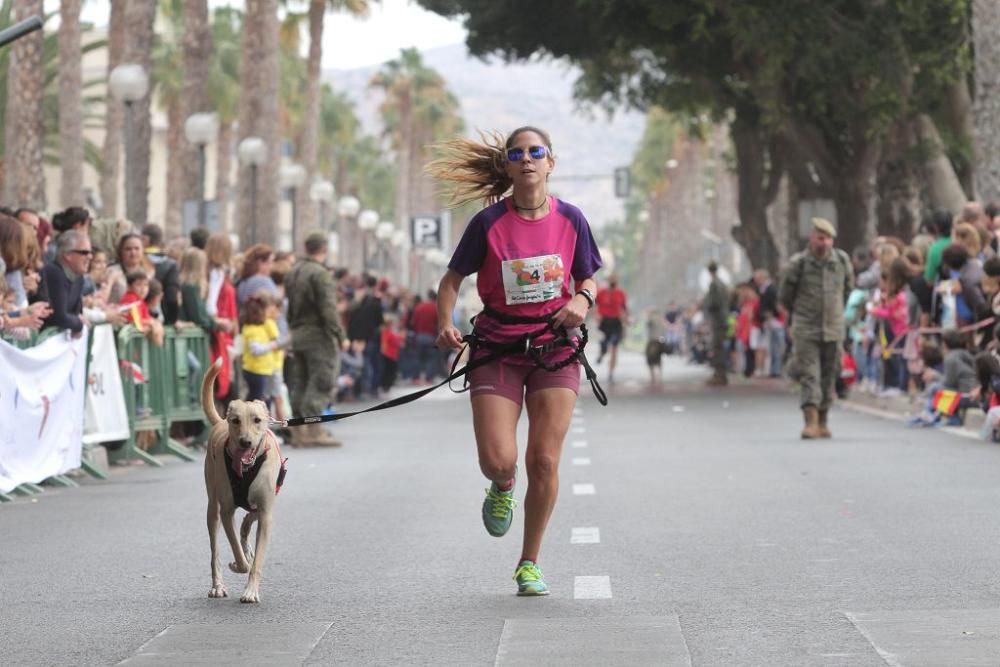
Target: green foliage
{"points": [[50, 92]]}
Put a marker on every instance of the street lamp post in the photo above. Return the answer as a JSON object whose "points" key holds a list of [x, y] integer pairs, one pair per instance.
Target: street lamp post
{"points": [[383, 234], [292, 177], [347, 209], [200, 129], [321, 191], [252, 152], [367, 221], [129, 84]]}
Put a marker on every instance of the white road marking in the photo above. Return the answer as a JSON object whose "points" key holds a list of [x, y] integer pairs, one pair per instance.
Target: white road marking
{"points": [[581, 461], [592, 588], [577, 411], [585, 536], [579, 444], [584, 490], [579, 430]]}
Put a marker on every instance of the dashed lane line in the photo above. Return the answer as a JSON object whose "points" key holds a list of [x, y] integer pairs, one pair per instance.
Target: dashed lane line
{"points": [[587, 535], [592, 588], [584, 490]]}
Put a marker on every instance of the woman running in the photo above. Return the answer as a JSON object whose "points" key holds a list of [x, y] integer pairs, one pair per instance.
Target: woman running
{"points": [[535, 258]]}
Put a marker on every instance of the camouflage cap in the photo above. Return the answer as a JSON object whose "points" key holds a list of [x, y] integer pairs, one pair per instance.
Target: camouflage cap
{"points": [[825, 226]]}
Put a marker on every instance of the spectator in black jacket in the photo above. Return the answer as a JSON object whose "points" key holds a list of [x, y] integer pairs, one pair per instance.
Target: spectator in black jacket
{"points": [[770, 325], [165, 271], [64, 281], [365, 325]]}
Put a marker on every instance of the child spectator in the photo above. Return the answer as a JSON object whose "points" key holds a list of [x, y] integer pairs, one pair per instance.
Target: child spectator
{"points": [[136, 311], [893, 315], [959, 376], [391, 345], [352, 365], [154, 299], [260, 342], [279, 392], [656, 331]]}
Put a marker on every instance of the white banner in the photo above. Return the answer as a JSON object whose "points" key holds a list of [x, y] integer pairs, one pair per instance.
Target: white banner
{"points": [[105, 415], [41, 409]]}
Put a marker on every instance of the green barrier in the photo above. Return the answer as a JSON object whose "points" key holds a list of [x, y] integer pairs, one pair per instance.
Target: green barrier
{"points": [[169, 392]]}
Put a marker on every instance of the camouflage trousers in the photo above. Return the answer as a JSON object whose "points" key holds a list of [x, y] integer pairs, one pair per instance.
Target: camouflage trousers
{"points": [[717, 358], [815, 365], [313, 379]]}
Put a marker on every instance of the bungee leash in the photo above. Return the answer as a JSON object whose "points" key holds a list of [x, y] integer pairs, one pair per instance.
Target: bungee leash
{"points": [[472, 342]]}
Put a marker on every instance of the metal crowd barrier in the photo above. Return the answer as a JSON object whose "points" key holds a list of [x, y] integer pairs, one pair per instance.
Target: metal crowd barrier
{"points": [[162, 386]]}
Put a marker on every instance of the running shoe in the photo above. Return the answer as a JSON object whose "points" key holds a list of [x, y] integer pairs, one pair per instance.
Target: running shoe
{"points": [[529, 579], [498, 510]]}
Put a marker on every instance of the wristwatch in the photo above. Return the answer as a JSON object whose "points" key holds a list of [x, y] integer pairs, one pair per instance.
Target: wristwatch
{"points": [[588, 295]]}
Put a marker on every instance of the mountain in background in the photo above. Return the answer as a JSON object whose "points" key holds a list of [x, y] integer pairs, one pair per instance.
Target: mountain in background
{"points": [[499, 96]]}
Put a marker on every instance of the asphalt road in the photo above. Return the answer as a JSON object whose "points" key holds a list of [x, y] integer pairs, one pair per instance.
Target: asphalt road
{"points": [[693, 528]]}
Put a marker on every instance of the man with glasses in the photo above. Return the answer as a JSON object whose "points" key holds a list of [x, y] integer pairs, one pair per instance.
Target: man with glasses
{"points": [[63, 279]]}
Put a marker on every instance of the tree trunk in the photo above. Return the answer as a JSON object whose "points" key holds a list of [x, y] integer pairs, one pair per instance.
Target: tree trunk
{"points": [[111, 151], [223, 165], [943, 188], [986, 111], [139, 18], [70, 87], [405, 157], [25, 182], [259, 118], [963, 126], [175, 171], [308, 146], [898, 207], [757, 189], [854, 195], [197, 64]]}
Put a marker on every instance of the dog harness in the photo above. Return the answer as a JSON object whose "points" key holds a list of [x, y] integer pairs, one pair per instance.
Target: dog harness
{"points": [[240, 481]]}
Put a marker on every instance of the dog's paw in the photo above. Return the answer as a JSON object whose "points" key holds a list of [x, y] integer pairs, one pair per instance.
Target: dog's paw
{"points": [[218, 591], [250, 596], [238, 568], [248, 553]]}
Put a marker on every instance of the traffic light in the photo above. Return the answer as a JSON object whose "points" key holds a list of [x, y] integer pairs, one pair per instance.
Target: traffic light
{"points": [[623, 181]]}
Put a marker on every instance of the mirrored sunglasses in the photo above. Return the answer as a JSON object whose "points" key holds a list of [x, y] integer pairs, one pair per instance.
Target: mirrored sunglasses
{"points": [[517, 154]]}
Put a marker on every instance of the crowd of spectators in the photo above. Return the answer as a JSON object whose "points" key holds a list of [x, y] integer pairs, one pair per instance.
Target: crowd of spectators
{"points": [[77, 270]]}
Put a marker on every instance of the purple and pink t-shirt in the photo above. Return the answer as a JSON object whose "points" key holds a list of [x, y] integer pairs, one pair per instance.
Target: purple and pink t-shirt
{"points": [[524, 266]]}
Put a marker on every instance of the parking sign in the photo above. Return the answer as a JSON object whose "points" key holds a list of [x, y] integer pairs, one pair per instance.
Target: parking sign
{"points": [[426, 231]]}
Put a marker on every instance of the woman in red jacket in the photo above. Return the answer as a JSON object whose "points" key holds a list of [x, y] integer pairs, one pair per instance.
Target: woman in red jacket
{"points": [[221, 303]]}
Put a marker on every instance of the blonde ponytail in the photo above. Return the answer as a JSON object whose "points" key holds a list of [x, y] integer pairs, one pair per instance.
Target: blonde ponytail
{"points": [[475, 170]]}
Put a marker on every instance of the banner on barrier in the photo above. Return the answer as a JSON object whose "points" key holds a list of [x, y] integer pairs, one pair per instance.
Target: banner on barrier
{"points": [[41, 409], [105, 414]]}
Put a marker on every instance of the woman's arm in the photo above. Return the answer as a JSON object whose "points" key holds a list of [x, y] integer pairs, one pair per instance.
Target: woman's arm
{"points": [[449, 337]]}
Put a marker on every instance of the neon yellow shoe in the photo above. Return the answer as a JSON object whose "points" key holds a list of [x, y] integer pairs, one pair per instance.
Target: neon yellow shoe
{"points": [[529, 579]]}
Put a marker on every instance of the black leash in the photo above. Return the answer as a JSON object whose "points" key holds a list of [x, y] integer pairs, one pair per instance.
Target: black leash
{"points": [[496, 351]]}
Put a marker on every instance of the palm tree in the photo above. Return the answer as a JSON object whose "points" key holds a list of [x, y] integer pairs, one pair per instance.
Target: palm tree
{"points": [[139, 18], [985, 26], [24, 184], [114, 115], [168, 78], [224, 89], [197, 73], [259, 117], [417, 110], [309, 140], [70, 94]]}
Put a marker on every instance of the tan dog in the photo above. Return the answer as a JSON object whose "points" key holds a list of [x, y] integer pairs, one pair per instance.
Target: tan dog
{"points": [[237, 446]]}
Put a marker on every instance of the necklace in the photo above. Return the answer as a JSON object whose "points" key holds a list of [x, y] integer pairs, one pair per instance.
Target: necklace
{"points": [[531, 208]]}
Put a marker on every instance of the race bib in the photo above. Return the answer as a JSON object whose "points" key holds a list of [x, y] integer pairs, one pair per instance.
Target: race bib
{"points": [[532, 279]]}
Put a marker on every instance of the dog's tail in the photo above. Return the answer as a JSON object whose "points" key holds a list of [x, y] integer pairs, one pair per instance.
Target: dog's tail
{"points": [[207, 398]]}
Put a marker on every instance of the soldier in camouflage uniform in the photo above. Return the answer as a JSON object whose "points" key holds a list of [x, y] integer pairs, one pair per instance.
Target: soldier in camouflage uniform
{"points": [[814, 290], [316, 339], [716, 307]]}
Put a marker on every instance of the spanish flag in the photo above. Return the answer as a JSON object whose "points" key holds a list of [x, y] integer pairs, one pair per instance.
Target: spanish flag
{"points": [[946, 401]]}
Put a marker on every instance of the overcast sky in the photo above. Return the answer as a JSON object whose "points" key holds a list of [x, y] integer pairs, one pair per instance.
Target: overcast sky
{"points": [[347, 42]]}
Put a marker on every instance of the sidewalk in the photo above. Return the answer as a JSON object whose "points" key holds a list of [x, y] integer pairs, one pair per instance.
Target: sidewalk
{"points": [[903, 408]]}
